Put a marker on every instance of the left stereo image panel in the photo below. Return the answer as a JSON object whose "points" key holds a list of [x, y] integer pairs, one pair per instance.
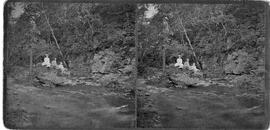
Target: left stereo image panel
{"points": [[69, 65]]}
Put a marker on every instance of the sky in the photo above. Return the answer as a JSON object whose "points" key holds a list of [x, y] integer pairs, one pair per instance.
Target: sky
{"points": [[19, 10], [151, 11]]}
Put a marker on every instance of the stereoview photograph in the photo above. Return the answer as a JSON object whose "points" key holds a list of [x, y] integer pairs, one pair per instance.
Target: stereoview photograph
{"points": [[135, 65]]}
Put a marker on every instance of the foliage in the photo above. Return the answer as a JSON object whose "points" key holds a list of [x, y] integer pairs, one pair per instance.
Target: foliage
{"points": [[216, 32], [104, 61], [80, 29]]}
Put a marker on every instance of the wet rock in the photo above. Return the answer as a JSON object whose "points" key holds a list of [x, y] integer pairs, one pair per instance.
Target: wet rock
{"points": [[147, 94], [179, 108], [184, 80], [47, 107], [92, 83], [181, 86], [51, 79], [106, 79], [127, 69], [203, 84]]}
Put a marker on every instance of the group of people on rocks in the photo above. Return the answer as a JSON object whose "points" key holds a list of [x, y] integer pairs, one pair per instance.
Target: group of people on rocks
{"points": [[179, 63], [53, 64]]}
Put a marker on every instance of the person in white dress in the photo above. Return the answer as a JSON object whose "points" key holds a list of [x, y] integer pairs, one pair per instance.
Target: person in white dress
{"points": [[193, 68], [179, 62], [54, 63], [46, 62], [61, 67], [186, 64]]}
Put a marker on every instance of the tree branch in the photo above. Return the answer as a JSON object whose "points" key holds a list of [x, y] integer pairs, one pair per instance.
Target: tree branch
{"points": [[56, 42], [224, 28], [189, 42]]}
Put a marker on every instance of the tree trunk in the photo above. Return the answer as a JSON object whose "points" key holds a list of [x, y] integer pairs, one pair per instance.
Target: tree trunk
{"points": [[31, 65], [163, 59], [55, 40], [136, 69], [189, 42]]}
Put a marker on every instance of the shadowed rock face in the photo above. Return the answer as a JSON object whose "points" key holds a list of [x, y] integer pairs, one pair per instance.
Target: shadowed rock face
{"points": [[103, 61], [238, 62]]}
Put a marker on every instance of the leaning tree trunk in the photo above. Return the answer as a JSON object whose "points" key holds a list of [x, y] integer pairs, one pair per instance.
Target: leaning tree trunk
{"points": [[189, 42], [31, 63], [55, 40], [163, 59], [136, 69]]}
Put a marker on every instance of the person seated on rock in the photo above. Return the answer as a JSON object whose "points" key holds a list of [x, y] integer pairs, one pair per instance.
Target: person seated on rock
{"points": [[61, 67], [54, 63], [193, 68], [70, 64], [46, 62], [179, 62], [186, 64]]}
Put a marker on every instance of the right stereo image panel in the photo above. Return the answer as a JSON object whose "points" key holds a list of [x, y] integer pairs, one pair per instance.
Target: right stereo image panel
{"points": [[201, 65]]}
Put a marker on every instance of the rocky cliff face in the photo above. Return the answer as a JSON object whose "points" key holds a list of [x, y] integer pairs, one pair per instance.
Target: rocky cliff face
{"points": [[103, 61]]}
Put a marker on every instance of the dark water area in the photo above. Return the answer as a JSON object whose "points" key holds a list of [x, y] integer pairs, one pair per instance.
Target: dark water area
{"points": [[202, 107], [118, 101]]}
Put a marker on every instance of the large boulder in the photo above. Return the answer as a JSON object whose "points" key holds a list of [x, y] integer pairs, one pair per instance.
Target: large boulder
{"points": [[103, 61], [51, 79], [184, 80], [129, 68], [106, 79], [239, 62]]}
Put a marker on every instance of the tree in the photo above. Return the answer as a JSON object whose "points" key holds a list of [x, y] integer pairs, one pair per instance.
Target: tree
{"points": [[70, 31], [207, 34]]}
